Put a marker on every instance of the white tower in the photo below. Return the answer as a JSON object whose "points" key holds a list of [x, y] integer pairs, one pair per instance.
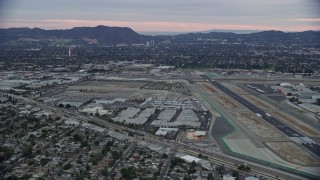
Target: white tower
{"points": [[69, 51]]}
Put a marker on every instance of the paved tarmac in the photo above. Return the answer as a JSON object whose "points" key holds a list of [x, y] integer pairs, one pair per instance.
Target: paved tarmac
{"points": [[297, 137]]}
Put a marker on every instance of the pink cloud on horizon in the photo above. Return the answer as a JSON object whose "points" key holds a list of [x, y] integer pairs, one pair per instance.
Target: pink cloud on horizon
{"points": [[150, 25], [309, 19]]}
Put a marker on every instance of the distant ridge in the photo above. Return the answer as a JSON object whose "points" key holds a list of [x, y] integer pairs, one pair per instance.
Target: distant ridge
{"points": [[103, 34], [122, 35], [159, 33], [232, 31], [207, 31]]}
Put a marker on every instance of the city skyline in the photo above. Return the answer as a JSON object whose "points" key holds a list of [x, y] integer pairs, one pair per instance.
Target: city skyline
{"points": [[164, 16]]}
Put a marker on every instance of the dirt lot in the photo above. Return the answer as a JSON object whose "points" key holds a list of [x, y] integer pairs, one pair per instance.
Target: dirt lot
{"points": [[227, 102], [296, 124], [101, 85], [208, 88], [235, 88], [117, 89], [293, 153], [258, 102], [121, 89], [256, 125]]}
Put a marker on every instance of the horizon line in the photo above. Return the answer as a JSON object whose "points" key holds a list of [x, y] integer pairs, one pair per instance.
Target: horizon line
{"points": [[142, 31]]}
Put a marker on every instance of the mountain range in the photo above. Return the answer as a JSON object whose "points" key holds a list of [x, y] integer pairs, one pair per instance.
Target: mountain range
{"points": [[116, 35]]}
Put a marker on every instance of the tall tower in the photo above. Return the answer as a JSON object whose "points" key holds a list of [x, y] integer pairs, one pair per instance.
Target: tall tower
{"points": [[69, 51]]}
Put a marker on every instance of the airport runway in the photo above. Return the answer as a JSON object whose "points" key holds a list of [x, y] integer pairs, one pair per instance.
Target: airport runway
{"points": [[297, 137]]}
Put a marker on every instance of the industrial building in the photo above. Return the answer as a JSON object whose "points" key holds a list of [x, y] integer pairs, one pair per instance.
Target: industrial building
{"points": [[134, 116], [186, 119]]}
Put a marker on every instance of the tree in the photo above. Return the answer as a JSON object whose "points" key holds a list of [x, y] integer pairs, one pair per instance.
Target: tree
{"points": [[26, 176], [88, 168], [32, 162], [292, 99], [115, 155], [220, 169], [243, 167], [105, 150], [130, 133], [164, 156], [176, 161], [110, 143], [50, 118], [61, 105], [248, 168], [192, 171], [68, 106], [27, 151], [67, 166], [210, 176], [235, 173], [128, 173], [289, 94], [84, 143], [44, 161], [104, 172], [193, 164], [77, 137], [79, 177]]}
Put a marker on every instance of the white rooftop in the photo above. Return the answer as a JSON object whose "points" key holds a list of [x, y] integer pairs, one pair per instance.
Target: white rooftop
{"points": [[71, 122], [93, 127], [161, 132], [200, 133], [188, 158]]}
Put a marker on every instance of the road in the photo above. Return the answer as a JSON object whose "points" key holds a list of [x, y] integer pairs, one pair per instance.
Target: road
{"points": [[294, 135], [70, 160], [123, 156], [166, 165], [216, 157]]}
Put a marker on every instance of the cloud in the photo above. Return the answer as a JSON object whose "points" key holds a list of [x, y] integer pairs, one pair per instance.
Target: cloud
{"points": [[309, 20], [144, 25], [182, 15]]}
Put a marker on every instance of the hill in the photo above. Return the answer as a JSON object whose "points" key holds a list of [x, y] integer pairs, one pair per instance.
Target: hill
{"points": [[116, 35], [102, 34], [259, 38]]}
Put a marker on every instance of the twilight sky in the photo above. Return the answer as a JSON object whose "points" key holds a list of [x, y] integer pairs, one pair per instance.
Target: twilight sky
{"points": [[163, 15]]}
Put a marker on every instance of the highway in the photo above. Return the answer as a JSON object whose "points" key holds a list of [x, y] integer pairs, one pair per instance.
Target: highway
{"points": [[215, 157], [294, 135]]}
